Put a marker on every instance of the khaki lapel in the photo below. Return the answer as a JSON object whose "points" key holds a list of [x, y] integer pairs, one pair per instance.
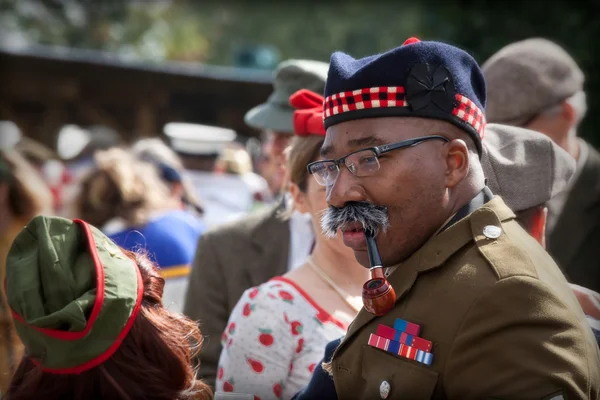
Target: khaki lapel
{"points": [[271, 242], [431, 255], [579, 214]]}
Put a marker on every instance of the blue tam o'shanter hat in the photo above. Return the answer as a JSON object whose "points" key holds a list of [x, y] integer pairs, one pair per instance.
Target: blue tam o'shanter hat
{"points": [[418, 79]]}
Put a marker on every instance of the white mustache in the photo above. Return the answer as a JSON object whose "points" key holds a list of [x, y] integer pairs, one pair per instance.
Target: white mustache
{"points": [[371, 217]]}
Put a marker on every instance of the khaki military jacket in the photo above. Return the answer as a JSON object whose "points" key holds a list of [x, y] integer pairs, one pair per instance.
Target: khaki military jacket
{"points": [[502, 319]]}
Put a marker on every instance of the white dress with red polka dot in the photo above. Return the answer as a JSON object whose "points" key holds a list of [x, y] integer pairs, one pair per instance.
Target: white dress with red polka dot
{"points": [[275, 336]]}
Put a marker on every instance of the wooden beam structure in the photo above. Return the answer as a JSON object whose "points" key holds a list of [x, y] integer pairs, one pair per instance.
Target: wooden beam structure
{"points": [[44, 88]]}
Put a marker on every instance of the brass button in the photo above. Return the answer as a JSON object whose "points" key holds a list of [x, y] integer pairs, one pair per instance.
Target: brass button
{"points": [[492, 231]]}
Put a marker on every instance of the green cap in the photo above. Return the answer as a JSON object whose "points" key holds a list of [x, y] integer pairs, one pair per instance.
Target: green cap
{"points": [[73, 294], [290, 76]]}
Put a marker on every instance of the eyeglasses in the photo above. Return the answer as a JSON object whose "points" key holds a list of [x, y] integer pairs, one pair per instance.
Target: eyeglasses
{"points": [[360, 163]]}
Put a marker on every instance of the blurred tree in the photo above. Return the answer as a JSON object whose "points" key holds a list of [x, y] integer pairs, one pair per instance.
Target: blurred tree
{"points": [[257, 33], [149, 30], [483, 27], [262, 57], [68, 22], [308, 30]]}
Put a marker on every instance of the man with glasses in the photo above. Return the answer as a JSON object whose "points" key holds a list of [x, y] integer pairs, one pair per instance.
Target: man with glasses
{"points": [[481, 311]]}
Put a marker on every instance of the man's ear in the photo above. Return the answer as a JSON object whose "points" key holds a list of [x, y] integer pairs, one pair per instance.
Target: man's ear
{"points": [[568, 113], [457, 162], [537, 225], [299, 198]]}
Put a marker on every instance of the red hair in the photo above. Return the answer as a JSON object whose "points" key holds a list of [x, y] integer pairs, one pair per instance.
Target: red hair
{"points": [[155, 360]]}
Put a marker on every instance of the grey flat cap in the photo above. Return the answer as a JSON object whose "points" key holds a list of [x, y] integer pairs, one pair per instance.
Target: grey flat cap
{"points": [[290, 76], [527, 77], [524, 167]]}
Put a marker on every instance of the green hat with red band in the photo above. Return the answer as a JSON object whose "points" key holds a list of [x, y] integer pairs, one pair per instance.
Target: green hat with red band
{"points": [[73, 294]]}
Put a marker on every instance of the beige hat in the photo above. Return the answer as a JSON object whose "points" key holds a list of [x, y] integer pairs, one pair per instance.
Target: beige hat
{"points": [[290, 76], [527, 77], [198, 139], [523, 166]]}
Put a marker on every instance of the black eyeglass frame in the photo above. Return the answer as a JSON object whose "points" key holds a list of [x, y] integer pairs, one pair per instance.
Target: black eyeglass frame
{"points": [[379, 150]]}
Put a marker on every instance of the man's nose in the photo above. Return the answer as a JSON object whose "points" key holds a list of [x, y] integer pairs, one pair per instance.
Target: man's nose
{"points": [[345, 188]]}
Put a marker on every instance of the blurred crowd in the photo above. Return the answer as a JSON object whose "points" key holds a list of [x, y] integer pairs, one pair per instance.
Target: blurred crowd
{"points": [[151, 195], [236, 234]]}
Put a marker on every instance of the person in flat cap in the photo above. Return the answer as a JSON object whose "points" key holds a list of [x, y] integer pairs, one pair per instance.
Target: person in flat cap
{"points": [[529, 170], [91, 318], [273, 118], [481, 310], [535, 83], [250, 251]]}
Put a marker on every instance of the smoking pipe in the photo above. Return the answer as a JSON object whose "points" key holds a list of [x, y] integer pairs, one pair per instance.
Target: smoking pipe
{"points": [[378, 295]]}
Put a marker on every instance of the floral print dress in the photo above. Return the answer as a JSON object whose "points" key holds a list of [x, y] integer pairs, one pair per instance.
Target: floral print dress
{"points": [[275, 337]]}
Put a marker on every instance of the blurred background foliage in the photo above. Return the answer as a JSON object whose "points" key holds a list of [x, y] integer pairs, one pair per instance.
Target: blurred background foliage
{"points": [[261, 33]]}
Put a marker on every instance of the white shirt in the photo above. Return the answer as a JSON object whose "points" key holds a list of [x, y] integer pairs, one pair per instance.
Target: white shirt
{"points": [[302, 238], [223, 196]]}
